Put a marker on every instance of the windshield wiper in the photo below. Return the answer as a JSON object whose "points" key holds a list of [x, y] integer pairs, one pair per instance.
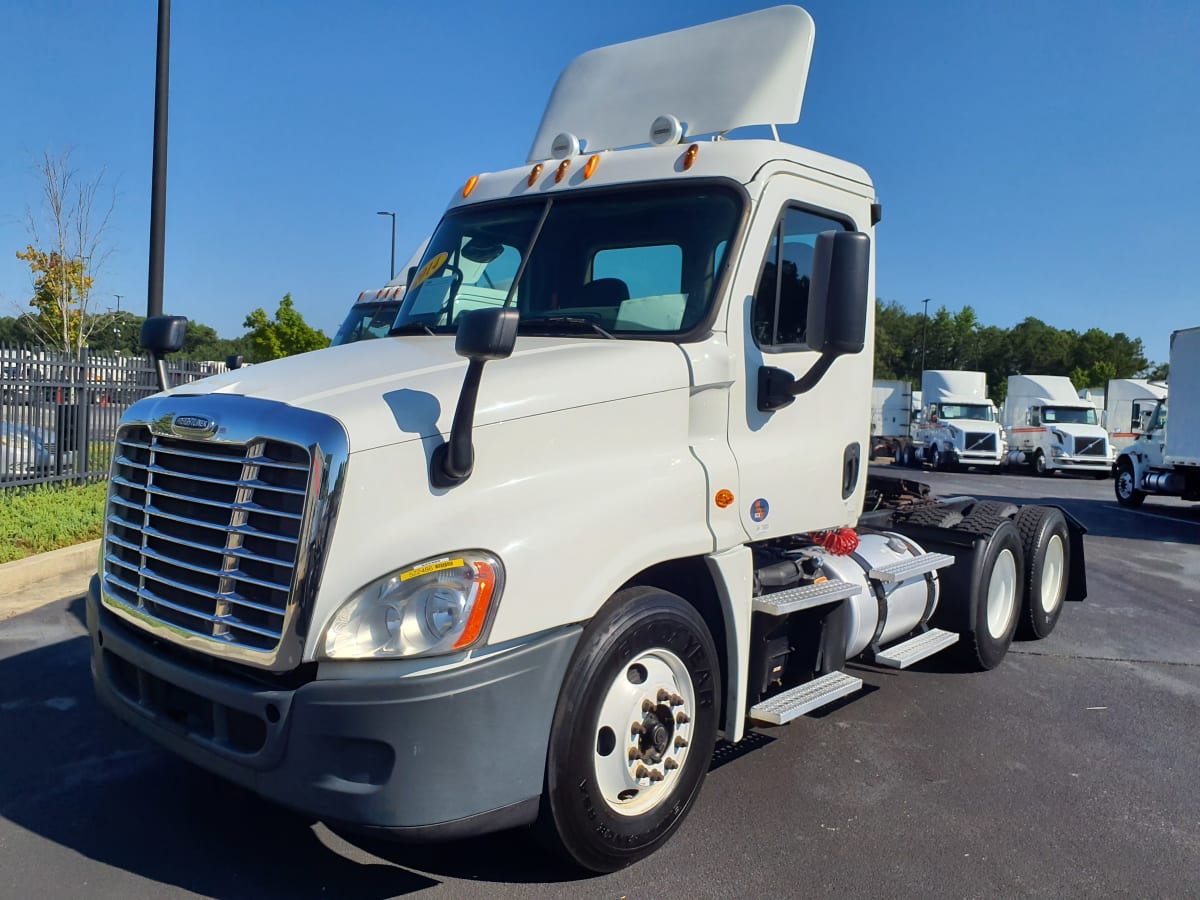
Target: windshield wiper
{"points": [[412, 328], [573, 323]]}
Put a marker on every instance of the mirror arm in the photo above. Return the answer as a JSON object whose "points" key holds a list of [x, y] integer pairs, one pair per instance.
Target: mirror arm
{"points": [[453, 461], [777, 387], [160, 363]]}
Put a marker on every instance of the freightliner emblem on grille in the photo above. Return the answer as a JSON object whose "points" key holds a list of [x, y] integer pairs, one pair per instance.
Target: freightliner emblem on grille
{"points": [[194, 426]]}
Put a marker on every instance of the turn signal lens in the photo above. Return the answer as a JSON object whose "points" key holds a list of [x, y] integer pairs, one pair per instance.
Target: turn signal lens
{"points": [[534, 173], [724, 498], [689, 156], [470, 185], [561, 173], [590, 167]]}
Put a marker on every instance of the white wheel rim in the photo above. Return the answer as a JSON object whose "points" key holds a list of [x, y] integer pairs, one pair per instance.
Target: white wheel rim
{"points": [[1002, 594], [1053, 570], [1125, 483], [646, 728]]}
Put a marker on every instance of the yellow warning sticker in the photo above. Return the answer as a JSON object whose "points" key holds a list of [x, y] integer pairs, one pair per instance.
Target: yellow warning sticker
{"points": [[429, 568], [428, 269]]}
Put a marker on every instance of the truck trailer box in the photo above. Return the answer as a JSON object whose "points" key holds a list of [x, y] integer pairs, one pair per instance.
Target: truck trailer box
{"points": [[1183, 416]]}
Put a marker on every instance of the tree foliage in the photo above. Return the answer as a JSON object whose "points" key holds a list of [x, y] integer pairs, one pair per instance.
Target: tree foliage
{"points": [[285, 335], [1031, 347], [66, 248]]}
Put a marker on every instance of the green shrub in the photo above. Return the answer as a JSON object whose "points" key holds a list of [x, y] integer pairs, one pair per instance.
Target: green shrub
{"points": [[48, 518]]}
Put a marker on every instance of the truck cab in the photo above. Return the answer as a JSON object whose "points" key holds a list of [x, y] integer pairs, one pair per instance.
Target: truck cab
{"points": [[597, 497], [1053, 430], [958, 425]]}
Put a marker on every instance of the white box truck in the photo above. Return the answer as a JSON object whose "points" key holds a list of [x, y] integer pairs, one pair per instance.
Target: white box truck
{"points": [[1165, 457], [892, 415], [1052, 430], [523, 561], [1129, 404], [957, 424]]}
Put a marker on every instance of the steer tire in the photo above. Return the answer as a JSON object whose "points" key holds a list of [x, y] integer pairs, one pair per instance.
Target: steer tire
{"points": [[1125, 485], [1047, 545], [596, 811], [998, 599]]}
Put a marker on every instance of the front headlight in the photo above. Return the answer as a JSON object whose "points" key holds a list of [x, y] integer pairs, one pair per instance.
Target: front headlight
{"points": [[436, 606]]}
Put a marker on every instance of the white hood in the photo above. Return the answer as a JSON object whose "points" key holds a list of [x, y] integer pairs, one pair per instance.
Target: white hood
{"points": [[400, 389]]}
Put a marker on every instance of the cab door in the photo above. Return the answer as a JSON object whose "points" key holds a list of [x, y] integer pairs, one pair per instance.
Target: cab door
{"points": [[801, 467]]}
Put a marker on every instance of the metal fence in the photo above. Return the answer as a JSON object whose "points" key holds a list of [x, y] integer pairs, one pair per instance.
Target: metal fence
{"points": [[59, 413]]}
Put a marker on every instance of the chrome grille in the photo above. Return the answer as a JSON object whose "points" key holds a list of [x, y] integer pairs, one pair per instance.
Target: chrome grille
{"points": [[980, 440], [1090, 447], [204, 536]]}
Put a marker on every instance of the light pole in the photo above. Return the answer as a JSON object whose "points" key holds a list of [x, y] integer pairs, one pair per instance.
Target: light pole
{"points": [[924, 331], [118, 296], [393, 215]]}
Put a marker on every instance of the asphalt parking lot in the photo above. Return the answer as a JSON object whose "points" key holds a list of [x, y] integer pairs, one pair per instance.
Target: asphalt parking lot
{"points": [[1068, 771]]}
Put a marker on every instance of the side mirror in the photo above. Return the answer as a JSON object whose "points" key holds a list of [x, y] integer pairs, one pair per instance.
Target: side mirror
{"points": [[485, 334], [837, 293], [837, 314], [164, 334], [233, 361]]}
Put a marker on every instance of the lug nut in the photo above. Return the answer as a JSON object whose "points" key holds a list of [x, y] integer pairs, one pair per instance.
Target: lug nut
{"points": [[676, 700], [681, 718], [647, 705], [637, 728], [634, 753], [670, 764], [641, 772], [680, 742], [656, 775], [663, 695]]}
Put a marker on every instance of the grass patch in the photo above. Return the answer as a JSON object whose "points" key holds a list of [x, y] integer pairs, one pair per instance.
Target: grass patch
{"points": [[48, 518]]}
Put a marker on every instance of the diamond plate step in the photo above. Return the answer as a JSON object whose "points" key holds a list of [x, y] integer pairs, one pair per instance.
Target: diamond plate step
{"points": [[781, 603], [905, 569], [903, 655], [805, 698]]}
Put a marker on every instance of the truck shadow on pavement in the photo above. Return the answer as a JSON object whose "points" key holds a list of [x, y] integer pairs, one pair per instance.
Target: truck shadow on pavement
{"points": [[76, 778]]}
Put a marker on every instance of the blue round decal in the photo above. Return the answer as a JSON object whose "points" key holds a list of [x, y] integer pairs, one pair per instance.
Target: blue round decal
{"points": [[759, 509]]}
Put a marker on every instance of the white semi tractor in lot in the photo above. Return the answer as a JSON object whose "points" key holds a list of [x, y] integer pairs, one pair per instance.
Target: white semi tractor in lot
{"points": [[1051, 429], [1165, 456], [957, 424], [598, 499]]}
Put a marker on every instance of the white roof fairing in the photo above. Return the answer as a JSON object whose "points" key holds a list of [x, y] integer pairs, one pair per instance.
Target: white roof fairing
{"points": [[746, 70]]}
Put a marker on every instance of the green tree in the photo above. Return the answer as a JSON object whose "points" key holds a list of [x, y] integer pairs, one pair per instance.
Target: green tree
{"points": [[285, 335]]}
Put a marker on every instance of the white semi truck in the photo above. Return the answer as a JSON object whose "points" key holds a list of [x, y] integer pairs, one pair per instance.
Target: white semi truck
{"points": [[598, 499], [1051, 429], [957, 425], [1165, 456], [1129, 404]]}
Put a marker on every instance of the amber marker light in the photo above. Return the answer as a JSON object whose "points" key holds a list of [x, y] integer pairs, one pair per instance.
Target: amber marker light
{"points": [[689, 156], [561, 172], [470, 185], [534, 173], [724, 498], [486, 579], [589, 168]]}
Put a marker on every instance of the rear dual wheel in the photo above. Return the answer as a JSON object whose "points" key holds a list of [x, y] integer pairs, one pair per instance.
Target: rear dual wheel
{"points": [[1047, 545], [633, 732], [998, 598]]}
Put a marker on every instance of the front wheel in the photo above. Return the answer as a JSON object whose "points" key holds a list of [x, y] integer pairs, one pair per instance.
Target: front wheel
{"points": [[935, 457], [1039, 464], [634, 730], [1125, 485]]}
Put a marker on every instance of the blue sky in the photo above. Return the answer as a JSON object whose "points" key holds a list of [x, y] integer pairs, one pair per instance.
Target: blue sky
{"points": [[1032, 158]]}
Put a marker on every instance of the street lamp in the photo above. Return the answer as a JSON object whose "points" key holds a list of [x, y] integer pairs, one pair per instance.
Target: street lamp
{"points": [[924, 330], [393, 215], [118, 296]]}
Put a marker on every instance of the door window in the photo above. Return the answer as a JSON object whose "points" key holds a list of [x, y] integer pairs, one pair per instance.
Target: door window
{"points": [[779, 317]]}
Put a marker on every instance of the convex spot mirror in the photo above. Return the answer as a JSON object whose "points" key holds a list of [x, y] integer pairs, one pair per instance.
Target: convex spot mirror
{"points": [[485, 334], [164, 334], [837, 293]]}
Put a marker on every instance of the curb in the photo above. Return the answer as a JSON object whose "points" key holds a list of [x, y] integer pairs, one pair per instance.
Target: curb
{"points": [[69, 562]]}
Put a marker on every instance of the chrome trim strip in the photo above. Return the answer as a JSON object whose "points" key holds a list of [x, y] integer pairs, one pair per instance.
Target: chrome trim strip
{"points": [[244, 420]]}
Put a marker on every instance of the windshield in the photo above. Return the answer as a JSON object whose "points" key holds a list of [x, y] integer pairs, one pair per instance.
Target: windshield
{"points": [[1069, 415], [638, 261], [367, 320], [981, 411], [1158, 420]]}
